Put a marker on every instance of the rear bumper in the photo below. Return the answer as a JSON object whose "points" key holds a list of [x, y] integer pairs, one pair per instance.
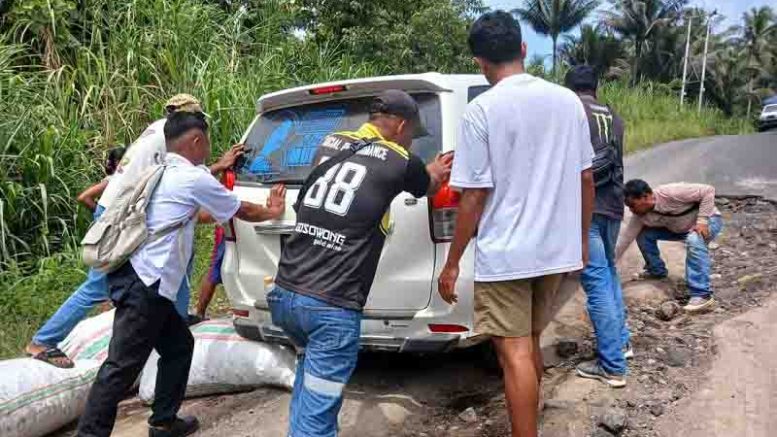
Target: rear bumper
{"points": [[393, 339]]}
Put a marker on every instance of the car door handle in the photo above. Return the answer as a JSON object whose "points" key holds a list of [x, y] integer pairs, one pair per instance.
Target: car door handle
{"points": [[274, 228], [411, 201]]}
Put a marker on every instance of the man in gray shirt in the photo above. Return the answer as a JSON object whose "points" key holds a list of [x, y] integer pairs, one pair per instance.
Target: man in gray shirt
{"points": [[600, 277]]}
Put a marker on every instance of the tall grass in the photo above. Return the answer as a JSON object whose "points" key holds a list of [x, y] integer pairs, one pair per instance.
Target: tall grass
{"points": [[653, 115], [55, 124]]}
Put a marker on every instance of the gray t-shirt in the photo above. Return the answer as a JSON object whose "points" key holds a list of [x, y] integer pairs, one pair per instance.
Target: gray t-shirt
{"points": [[606, 125]]}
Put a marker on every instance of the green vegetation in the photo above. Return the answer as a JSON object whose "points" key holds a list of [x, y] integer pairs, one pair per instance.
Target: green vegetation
{"points": [[77, 77], [653, 116]]}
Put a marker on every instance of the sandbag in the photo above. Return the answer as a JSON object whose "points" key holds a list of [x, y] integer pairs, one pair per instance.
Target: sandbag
{"points": [[37, 398], [224, 362], [89, 340]]}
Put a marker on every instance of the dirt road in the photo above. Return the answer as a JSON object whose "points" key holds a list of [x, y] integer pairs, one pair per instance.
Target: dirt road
{"points": [[681, 383], [738, 397], [693, 376]]}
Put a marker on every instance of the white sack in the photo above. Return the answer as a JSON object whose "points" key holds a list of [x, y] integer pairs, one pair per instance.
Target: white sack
{"points": [[89, 340], [37, 398], [225, 362]]}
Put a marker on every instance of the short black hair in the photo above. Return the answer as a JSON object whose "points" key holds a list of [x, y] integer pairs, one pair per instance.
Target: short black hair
{"points": [[113, 158], [581, 78], [496, 37], [636, 188], [178, 123]]}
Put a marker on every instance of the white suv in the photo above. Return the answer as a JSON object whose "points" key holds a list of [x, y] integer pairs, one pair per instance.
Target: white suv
{"points": [[768, 118], [404, 311]]}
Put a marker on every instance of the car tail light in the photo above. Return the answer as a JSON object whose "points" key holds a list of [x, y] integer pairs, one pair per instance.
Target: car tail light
{"points": [[447, 329], [442, 213], [240, 313], [228, 179], [329, 89]]}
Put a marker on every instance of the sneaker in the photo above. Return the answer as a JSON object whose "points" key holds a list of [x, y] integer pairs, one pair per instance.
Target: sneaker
{"points": [[628, 351], [592, 370], [645, 275], [181, 426], [699, 304]]}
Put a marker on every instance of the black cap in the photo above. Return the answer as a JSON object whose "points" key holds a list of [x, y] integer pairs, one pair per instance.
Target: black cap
{"points": [[581, 78], [401, 104]]}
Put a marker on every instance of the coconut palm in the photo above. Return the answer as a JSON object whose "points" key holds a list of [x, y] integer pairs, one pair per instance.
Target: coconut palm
{"points": [[555, 17], [726, 78], [595, 47], [758, 27], [638, 20]]}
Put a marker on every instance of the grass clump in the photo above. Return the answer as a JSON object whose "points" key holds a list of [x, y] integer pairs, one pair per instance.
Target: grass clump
{"points": [[653, 116]]}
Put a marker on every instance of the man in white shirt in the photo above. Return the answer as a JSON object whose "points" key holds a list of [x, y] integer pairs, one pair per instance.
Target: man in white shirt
{"points": [[147, 150], [145, 288], [523, 163]]}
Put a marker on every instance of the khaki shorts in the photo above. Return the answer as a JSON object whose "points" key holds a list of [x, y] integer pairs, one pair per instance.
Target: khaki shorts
{"points": [[518, 308]]}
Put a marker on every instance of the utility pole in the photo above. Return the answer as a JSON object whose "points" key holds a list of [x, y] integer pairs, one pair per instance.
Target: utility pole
{"points": [[685, 64], [704, 60]]}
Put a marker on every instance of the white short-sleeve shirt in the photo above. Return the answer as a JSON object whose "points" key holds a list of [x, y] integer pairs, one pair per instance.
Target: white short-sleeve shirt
{"points": [[527, 140], [182, 191]]}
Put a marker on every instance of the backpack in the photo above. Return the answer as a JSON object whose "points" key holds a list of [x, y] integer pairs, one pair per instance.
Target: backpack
{"points": [[607, 164], [121, 230]]}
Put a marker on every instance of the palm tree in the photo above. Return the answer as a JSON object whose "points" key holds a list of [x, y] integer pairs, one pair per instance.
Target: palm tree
{"points": [[595, 47], [638, 20], [555, 17], [727, 78], [758, 26]]}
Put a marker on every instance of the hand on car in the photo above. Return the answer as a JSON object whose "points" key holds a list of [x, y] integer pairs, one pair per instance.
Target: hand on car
{"points": [[703, 230], [440, 168], [229, 158], [276, 202], [446, 283]]}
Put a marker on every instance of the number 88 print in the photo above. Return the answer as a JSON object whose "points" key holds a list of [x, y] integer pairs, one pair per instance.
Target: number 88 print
{"points": [[337, 197]]}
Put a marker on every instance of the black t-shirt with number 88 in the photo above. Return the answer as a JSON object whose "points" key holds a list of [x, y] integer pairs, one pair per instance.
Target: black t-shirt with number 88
{"points": [[342, 221]]}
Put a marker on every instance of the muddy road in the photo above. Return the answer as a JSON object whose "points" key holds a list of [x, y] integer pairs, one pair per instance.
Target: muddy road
{"points": [[711, 374], [685, 367]]}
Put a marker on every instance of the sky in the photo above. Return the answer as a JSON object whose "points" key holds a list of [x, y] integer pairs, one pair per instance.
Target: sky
{"points": [[539, 44]]}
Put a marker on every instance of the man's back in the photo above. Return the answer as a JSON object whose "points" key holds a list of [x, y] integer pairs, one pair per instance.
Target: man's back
{"points": [[607, 130], [528, 141], [334, 251]]}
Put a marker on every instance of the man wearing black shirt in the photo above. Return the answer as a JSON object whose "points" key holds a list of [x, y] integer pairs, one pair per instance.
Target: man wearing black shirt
{"points": [[600, 278], [328, 264]]}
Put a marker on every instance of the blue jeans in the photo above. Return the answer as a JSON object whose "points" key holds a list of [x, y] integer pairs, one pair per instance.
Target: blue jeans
{"points": [[328, 338], [602, 286], [90, 293], [697, 260]]}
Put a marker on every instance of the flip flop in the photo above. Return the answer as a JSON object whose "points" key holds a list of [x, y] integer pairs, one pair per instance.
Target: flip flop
{"points": [[55, 357]]}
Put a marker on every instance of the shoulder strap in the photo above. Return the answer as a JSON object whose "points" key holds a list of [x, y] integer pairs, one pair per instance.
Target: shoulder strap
{"points": [[324, 167], [693, 208]]}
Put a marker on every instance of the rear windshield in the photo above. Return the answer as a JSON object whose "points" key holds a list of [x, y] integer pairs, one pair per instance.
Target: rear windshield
{"points": [[282, 143]]}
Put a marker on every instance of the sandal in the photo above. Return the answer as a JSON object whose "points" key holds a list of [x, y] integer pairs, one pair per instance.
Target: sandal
{"points": [[55, 357]]}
